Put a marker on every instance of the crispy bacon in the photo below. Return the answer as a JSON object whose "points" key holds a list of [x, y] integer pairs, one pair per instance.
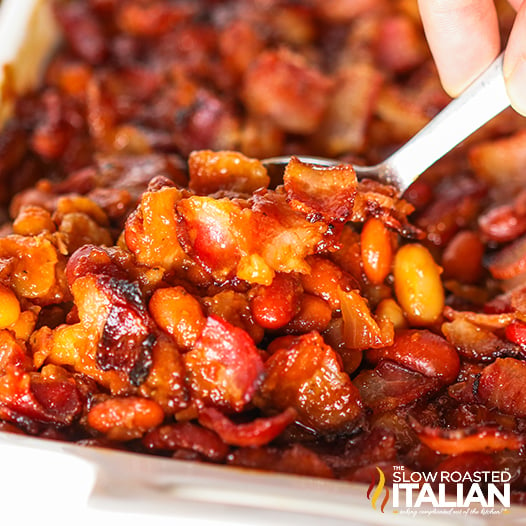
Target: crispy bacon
{"points": [[308, 364], [258, 432], [281, 85], [320, 192], [501, 385], [459, 441], [187, 436], [224, 368]]}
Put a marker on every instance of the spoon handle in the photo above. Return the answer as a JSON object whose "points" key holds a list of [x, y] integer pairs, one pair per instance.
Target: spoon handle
{"points": [[485, 98]]}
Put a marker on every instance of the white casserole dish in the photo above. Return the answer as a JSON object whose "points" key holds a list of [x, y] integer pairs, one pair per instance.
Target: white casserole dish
{"points": [[42, 479]]}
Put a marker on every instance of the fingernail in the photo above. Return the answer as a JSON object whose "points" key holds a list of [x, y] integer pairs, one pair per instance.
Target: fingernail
{"points": [[515, 76]]}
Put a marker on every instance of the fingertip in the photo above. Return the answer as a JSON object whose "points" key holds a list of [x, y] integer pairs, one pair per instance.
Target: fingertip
{"points": [[516, 86], [463, 37], [514, 66]]}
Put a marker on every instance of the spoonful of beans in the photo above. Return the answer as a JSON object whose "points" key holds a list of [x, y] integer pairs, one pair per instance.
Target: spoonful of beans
{"points": [[485, 98]]}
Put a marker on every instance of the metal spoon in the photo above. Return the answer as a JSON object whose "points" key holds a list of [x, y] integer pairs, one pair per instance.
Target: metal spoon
{"points": [[485, 98]]}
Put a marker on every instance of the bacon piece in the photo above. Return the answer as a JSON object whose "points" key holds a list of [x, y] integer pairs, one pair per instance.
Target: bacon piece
{"points": [[187, 436], [214, 171], [153, 19], [516, 332], [510, 261], [281, 85], [307, 375], [502, 224], [258, 432], [456, 205], [499, 162], [165, 382], [400, 46], [92, 259], [214, 232], [285, 237], [326, 192], [13, 354], [421, 351], [357, 87], [476, 343], [126, 340], [83, 32], [296, 459], [501, 386], [391, 385], [39, 398], [151, 230], [458, 441], [379, 200], [35, 267], [224, 368], [345, 10]]}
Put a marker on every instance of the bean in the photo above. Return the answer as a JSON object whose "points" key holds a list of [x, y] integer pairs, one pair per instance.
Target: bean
{"points": [[314, 315], [462, 258], [390, 310], [179, 314], [10, 310], [273, 306], [125, 418], [417, 284], [376, 250]]}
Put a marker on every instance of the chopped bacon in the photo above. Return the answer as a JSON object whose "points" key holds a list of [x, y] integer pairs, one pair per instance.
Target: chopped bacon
{"points": [[283, 86], [258, 432], [83, 32], [214, 171], [224, 368], [459, 441], [187, 436], [33, 396], [326, 192], [296, 459], [502, 223], [390, 385], [476, 343], [357, 89], [308, 365], [501, 386], [510, 261]]}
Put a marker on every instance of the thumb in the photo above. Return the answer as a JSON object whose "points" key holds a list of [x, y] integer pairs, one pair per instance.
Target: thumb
{"points": [[514, 66]]}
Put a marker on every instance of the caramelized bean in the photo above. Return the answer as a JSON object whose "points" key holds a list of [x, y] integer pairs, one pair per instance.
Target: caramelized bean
{"points": [[125, 418], [10, 307], [274, 306], [462, 258], [417, 284], [390, 310], [179, 314], [377, 251]]}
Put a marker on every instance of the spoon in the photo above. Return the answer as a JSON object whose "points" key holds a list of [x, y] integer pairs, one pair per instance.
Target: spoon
{"points": [[485, 98]]}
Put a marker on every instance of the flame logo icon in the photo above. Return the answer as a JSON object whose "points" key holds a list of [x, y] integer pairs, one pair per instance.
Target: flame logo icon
{"points": [[373, 496]]}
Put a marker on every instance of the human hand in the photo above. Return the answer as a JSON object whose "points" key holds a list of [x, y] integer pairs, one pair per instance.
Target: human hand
{"points": [[464, 39]]}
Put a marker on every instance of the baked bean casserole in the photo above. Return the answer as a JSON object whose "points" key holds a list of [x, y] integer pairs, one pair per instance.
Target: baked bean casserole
{"points": [[162, 293]]}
